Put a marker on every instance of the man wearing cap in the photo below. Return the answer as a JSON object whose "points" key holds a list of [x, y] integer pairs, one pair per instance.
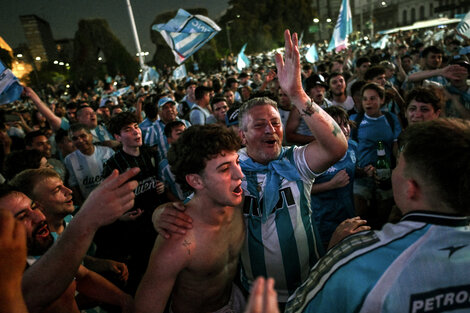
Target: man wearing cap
{"points": [[200, 111], [297, 131], [156, 134], [232, 84]]}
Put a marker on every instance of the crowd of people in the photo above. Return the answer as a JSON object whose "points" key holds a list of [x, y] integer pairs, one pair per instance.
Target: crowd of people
{"points": [[187, 196]]}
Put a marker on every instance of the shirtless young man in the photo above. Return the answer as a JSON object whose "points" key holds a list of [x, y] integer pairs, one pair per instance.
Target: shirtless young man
{"points": [[194, 272]]}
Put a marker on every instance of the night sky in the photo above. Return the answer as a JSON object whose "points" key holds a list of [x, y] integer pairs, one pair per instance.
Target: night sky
{"points": [[63, 17]]}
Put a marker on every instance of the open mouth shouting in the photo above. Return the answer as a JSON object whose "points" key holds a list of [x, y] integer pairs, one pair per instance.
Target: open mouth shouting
{"points": [[41, 231], [238, 191]]}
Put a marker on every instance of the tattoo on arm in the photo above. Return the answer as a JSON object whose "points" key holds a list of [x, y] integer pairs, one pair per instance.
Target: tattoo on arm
{"points": [[336, 130], [187, 244], [309, 109]]}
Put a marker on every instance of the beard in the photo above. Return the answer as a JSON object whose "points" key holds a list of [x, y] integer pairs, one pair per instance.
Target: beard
{"points": [[39, 246]]}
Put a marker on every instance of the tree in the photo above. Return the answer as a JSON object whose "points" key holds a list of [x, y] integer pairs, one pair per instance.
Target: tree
{"points": [[92, 38]]}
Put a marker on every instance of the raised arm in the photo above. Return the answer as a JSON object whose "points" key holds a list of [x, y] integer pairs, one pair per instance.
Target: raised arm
{"points": [[453, 71], [49, 277], [291, 134], [53, 119], [330, 144]]}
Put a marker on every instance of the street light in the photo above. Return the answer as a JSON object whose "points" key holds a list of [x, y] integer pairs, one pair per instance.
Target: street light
{"points": [[316, 20], [328, 20]]}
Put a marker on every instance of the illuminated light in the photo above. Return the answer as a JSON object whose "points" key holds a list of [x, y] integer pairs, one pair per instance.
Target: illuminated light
{"points": [[56, 62], [67, 86], [61, 63], [66, 64], [316, 20], [384, 3], [115, 83], [100, 58], [66, 93], [19, 55], [328, 20], [38, 58]]}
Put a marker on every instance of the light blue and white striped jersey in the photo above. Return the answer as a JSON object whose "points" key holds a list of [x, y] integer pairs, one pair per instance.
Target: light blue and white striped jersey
{"points": [[100, 134], [198, 115], [86, 170], [287, 245], [156, 136], [420, 264], [145, 125], [168, 178]]}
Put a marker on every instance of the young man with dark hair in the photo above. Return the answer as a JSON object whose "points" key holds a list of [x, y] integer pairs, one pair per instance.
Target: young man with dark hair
{"points": [[337, 85], [219, 109], [200, 111], [85, 165], [421, 263], [194, 272], [134, 237]]}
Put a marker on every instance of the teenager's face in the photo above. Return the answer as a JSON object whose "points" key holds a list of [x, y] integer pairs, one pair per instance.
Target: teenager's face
{"points": [[344, 125], [338, 85], [420, 112], [130, 136], [222, 178], [371, 103]]}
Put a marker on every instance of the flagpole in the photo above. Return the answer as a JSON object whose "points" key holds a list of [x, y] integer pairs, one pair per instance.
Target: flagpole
{"points": [[136, 36]]}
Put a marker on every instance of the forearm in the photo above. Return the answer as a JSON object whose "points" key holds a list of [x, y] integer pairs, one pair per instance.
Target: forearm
{"points": [[97, 287], [322, 187], [421, 75], [53, 119]]}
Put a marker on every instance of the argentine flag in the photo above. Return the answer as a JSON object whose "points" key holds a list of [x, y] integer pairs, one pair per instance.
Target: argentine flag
{"points": [[10, 88], [149, 76], [180, 72], [343, 28], [242, 60], [186, 33], [382, 43], [312, 54]]}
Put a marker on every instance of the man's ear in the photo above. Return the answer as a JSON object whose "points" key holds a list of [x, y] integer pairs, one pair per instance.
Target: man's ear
{"points": [[195, 181], [413, 190], [241, 133], [117, 137]]}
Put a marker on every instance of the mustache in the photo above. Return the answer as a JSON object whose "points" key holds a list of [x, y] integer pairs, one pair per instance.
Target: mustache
{"points": [[39, 227]]}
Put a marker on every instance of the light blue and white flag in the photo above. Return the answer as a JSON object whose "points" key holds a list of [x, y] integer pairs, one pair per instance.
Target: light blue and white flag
{"points": [[382, 43], [121, 91], [312, 54], [242, 60], [463, 28], [10, 88], [180, 72], [186, 33], [343, 28], [149, 76]]}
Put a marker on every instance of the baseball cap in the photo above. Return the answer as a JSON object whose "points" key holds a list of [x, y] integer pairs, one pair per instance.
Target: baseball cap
{"points": [[315, 80], [164, 101]]}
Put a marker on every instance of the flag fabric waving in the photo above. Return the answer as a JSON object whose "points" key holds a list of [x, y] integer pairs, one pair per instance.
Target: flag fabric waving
{"points": [[180, 72], [10, 88], [343, 28], [463, 28], [312, 54], [242, 60], [187, 33]]}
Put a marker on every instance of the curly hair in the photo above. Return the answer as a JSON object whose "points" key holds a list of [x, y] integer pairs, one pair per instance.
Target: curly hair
{"points": [[119, 121], [197, 145]]}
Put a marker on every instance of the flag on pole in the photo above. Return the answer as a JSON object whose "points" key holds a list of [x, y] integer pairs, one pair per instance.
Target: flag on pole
{"points": [[180, 72], [312, 54], [187, 33], [10, 88], [242, 60], [343, 28]]}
